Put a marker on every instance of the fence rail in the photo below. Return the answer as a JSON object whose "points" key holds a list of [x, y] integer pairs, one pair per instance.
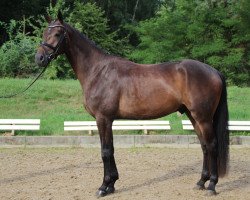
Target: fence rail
{"points": [[144, 125], [19, 124], [232, 125]]}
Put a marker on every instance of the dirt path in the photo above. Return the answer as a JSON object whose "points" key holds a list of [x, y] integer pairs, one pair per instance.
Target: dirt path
{"points": [[145, 173]]}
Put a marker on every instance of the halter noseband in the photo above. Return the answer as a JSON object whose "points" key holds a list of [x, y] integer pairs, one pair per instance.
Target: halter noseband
{"points": [[55, 49]]}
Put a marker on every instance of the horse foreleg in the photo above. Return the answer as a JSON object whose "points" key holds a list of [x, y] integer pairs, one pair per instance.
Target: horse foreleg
{"points": [[107, 152]]}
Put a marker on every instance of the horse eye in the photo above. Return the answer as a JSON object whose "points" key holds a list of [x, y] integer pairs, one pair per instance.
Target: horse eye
{"points": [[57, 34]]}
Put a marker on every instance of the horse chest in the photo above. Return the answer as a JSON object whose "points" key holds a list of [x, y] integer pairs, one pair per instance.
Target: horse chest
{"points": [[93, 102], [88, 106]]}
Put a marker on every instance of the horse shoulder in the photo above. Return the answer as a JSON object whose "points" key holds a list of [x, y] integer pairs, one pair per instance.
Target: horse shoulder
{"points": [[101, 93]]}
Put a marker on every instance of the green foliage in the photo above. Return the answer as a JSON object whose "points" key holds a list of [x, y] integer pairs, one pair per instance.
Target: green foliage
{"points": [[17, 54], [122, 13], [146, 31], [89, 19], [60, 5], [162, 38], [207, 31]]}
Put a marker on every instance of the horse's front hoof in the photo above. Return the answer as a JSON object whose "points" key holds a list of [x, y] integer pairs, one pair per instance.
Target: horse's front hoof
{"points": [[211, 193], [199, 187], [105, 192], [101, 193]]}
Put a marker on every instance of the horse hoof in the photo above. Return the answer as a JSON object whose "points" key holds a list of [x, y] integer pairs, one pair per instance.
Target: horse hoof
{"points": [[211, 193], [199, 187], [101, 193], [107, 191]]}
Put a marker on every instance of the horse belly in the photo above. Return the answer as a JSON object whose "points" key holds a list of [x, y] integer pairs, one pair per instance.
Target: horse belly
{"points": [[154, 103]]}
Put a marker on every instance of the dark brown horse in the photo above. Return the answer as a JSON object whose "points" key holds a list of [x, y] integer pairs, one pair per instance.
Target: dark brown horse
{"points": [[116, 88]]}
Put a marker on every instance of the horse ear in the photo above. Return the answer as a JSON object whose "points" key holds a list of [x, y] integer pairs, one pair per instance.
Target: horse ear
{"points": [[60, 17], [48, 18]]}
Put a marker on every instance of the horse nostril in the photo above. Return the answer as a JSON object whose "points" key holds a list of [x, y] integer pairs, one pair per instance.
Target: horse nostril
{"points": [[41, 58]]}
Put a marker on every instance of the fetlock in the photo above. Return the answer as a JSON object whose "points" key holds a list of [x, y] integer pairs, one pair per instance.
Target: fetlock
{"points": [[212, 184], [211, 189], [200, 185], [109, 180], [204, 178], [114, 176], [108, 185]]}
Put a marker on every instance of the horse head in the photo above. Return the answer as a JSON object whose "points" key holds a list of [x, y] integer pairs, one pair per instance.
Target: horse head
{"points": [[54, 41]]}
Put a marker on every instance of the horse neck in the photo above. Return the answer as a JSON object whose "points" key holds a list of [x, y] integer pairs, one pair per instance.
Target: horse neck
{"points": [[83, 55]]}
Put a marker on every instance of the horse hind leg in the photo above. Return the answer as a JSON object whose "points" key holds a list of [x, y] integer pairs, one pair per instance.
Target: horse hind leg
{"points": [[205, 174], [209, 147]]}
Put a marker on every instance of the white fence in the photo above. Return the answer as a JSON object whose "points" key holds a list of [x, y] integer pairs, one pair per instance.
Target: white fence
{"points": [[144, 125], [232, 125], [19, 124]]}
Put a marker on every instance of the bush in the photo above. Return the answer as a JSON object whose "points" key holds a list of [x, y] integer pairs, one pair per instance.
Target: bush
{"points": [[208, 32], [17, 54], [89, 19]]}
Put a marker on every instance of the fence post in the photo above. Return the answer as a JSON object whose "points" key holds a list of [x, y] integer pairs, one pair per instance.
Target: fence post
{"points": [[91, 132], [12, 131]]}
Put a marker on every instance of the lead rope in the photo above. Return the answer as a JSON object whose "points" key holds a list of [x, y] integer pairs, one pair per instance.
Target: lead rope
{"points": [[50, 58], [25, 89]]}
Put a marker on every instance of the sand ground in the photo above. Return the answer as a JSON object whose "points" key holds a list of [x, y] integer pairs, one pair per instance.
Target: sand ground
{"points": [[145, 173]]}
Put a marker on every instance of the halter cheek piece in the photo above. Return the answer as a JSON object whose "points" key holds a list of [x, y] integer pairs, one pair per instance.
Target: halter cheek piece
{"points": [[55, 49]]}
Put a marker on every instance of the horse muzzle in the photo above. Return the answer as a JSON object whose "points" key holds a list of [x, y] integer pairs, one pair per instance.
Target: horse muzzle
{"points": [[42, 60]]}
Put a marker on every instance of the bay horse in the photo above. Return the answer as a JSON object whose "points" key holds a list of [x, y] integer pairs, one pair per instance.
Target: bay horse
{"points": [[116, 88]]}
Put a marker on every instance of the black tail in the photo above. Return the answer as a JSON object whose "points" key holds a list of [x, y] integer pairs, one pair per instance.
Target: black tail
{"points": [[221, 130]]}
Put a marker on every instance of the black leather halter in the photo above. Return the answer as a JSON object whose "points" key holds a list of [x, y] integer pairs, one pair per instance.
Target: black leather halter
{"points": [[55, 49]]}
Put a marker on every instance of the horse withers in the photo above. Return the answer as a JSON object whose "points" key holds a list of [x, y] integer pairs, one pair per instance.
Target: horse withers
{"points": [[116, 88]]}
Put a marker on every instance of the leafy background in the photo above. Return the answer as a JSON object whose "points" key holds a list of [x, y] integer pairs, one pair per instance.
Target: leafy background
{"points": [[145, 31]]}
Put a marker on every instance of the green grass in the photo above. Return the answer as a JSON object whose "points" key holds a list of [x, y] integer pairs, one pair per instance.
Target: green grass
{"points": [[56, 101]]}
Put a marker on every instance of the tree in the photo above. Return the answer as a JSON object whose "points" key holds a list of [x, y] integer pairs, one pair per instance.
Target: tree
{"points": [[17, 10], [17, 54], [147, 31], [89, 19], [209, 31], [162, 38]]}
